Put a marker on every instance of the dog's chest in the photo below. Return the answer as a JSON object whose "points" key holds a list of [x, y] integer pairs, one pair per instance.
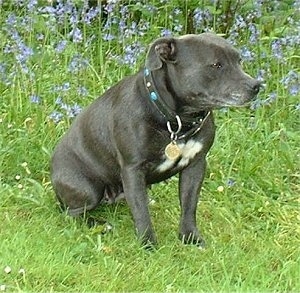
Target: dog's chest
{"points": [[188, 150]]}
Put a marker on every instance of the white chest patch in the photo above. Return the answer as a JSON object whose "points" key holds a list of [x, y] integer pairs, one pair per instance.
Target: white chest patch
{"points": [[188, 152]]}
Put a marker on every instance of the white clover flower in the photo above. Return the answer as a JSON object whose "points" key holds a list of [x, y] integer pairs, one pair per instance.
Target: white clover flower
{"points": [[7, 270], [220, 188], [21, 271]]}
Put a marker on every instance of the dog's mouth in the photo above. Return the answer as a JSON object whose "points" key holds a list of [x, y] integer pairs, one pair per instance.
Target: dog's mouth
{"points": [[238, 101], [232, 101]]}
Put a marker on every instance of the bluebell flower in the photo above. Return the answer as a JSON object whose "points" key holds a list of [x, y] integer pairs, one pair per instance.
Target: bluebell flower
{"points": [[108, 37], [8, 48], [76, 109], [47, 10], [90, 15], [11, 20], [178, 28], [291, 78], [58, 101], [267, 102], [131, 31], [123, 10], [150, 7], [254, 33], [240, 22], [71, 110], [77, 63], [201, 17], [272, 97], [177, 11], [261, 74], [25, 52], [110, 6], [246, 54], [277, 49], [56, 116], [60, 47], [62, 88], [294, 89], [82, 91], [76, 35], [166, 32], [4, 76], [256, 104], [73, 18], [34, 99], [230, 182], [31, 5], [39, 36]]}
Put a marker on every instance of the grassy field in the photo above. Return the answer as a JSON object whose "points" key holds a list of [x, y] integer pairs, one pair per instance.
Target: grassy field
{"points": [[54, 60]]}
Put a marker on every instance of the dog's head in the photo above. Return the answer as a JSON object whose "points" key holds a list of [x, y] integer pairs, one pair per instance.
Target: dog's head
{"points": [[203, 70]]}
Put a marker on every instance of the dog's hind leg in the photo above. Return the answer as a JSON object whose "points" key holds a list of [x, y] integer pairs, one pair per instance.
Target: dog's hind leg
{"points": [[78, 195]]}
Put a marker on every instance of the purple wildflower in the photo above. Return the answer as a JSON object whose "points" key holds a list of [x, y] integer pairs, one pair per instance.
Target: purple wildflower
{"points": [[166, 32], [31, 5], [81, 90], [76, 35], [62, 88], [59, 101], [178, 28], [108, 37], [77, 63], [240, 22], [230, 182], [254, 33], [71, 110], [56, 116], [246, 54], [131, 53], [272, 98], [39, 36], [291, 82], [261, 74], [276, 49], [256, 104], [11, 20], [201, 17], [60, 47], [24, 53], [267, 102], [294, 89], [90, 15], [34, 99]]}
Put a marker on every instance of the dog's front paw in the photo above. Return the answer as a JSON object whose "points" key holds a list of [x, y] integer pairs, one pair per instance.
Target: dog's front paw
{"points": [[148, 240], [193, 238]]}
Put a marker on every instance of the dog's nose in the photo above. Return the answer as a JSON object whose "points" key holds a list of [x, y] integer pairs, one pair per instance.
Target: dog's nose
{"points": [[256, 86]]}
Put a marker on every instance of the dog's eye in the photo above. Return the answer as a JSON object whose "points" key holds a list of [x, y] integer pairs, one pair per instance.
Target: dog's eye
{"points": [[216, 65]]}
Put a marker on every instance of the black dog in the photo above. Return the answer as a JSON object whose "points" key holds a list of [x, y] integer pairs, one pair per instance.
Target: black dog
{"points": [[150, 126]]}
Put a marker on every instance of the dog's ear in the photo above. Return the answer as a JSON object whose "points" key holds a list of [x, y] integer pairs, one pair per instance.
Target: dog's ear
{"points": [[163, 50]]}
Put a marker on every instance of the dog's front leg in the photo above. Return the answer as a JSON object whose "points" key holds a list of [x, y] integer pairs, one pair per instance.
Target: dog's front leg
{"points": [[190, 181], [134, 186]]}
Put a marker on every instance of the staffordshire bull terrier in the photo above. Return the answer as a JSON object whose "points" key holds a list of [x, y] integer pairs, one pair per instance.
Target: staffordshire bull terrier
{"points": [[149, 127]]}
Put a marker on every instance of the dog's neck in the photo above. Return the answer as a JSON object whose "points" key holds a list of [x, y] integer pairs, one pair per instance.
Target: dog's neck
{"points": [[164, 103]]}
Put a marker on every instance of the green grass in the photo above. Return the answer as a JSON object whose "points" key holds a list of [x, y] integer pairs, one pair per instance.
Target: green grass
{"points": [[252, 228]]}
